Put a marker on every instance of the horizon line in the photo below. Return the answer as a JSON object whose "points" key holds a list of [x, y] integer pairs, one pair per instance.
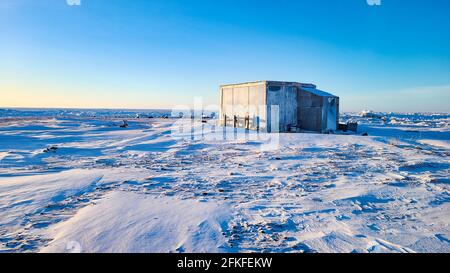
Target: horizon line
{"points": [[168, 109]]}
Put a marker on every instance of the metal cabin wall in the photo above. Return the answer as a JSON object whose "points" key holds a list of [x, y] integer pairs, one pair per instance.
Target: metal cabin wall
{"points": [[285, 97], [226, 109], [309, 111], [330, 114], [330, 111], [337, 111], [257, 107], [246, 102]]}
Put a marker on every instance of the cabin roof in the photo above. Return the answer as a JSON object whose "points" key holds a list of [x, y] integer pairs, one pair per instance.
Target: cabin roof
{"points": [[317, 92], [267, 82], [307, 87]]}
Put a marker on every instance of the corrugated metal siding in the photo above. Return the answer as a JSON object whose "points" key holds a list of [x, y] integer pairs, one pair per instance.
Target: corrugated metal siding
{"points": [[257, 106], [227, 105], [285, 97], [310, 111], [245, 102]]}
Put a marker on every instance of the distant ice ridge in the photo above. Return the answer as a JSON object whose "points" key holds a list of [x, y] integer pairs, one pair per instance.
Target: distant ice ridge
{"points": [[370, 114], [89, 113], [429, 120], [119, 113]]}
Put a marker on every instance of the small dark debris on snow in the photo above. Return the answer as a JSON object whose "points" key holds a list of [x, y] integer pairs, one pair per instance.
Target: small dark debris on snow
{"points": [[349, 126], [124, 125], [51, 149], [352, 126]]}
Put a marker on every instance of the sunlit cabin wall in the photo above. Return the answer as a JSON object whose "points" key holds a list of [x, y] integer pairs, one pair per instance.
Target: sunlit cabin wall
{"points": [[245, 105], [282, 98]]}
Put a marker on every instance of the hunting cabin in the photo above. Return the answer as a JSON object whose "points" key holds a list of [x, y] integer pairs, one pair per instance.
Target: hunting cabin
{"points": [[275, 106]]}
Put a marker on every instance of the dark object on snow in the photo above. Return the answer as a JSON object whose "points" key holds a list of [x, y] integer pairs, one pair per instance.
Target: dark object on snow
{"points": [[365, 134], [342, 127], [352, 126], [51, 149], [124, 125], [349, 126]]}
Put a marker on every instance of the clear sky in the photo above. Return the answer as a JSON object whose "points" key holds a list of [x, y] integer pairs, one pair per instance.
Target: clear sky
{"points": [[161, 53]]}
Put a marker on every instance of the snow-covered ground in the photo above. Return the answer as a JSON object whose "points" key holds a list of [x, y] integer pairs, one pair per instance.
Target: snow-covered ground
{"points": [[83, 183]]}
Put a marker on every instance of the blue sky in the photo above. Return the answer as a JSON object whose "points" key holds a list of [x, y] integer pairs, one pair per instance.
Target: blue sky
{"points": [[161, 53]]}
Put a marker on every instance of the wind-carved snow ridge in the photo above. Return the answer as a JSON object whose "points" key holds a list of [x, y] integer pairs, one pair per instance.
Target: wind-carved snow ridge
{"points": [[87, 184], [146, 224]]}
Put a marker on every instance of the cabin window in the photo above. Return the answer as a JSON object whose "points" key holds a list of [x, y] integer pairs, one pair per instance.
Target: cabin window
{"points": [[274, 88]]}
